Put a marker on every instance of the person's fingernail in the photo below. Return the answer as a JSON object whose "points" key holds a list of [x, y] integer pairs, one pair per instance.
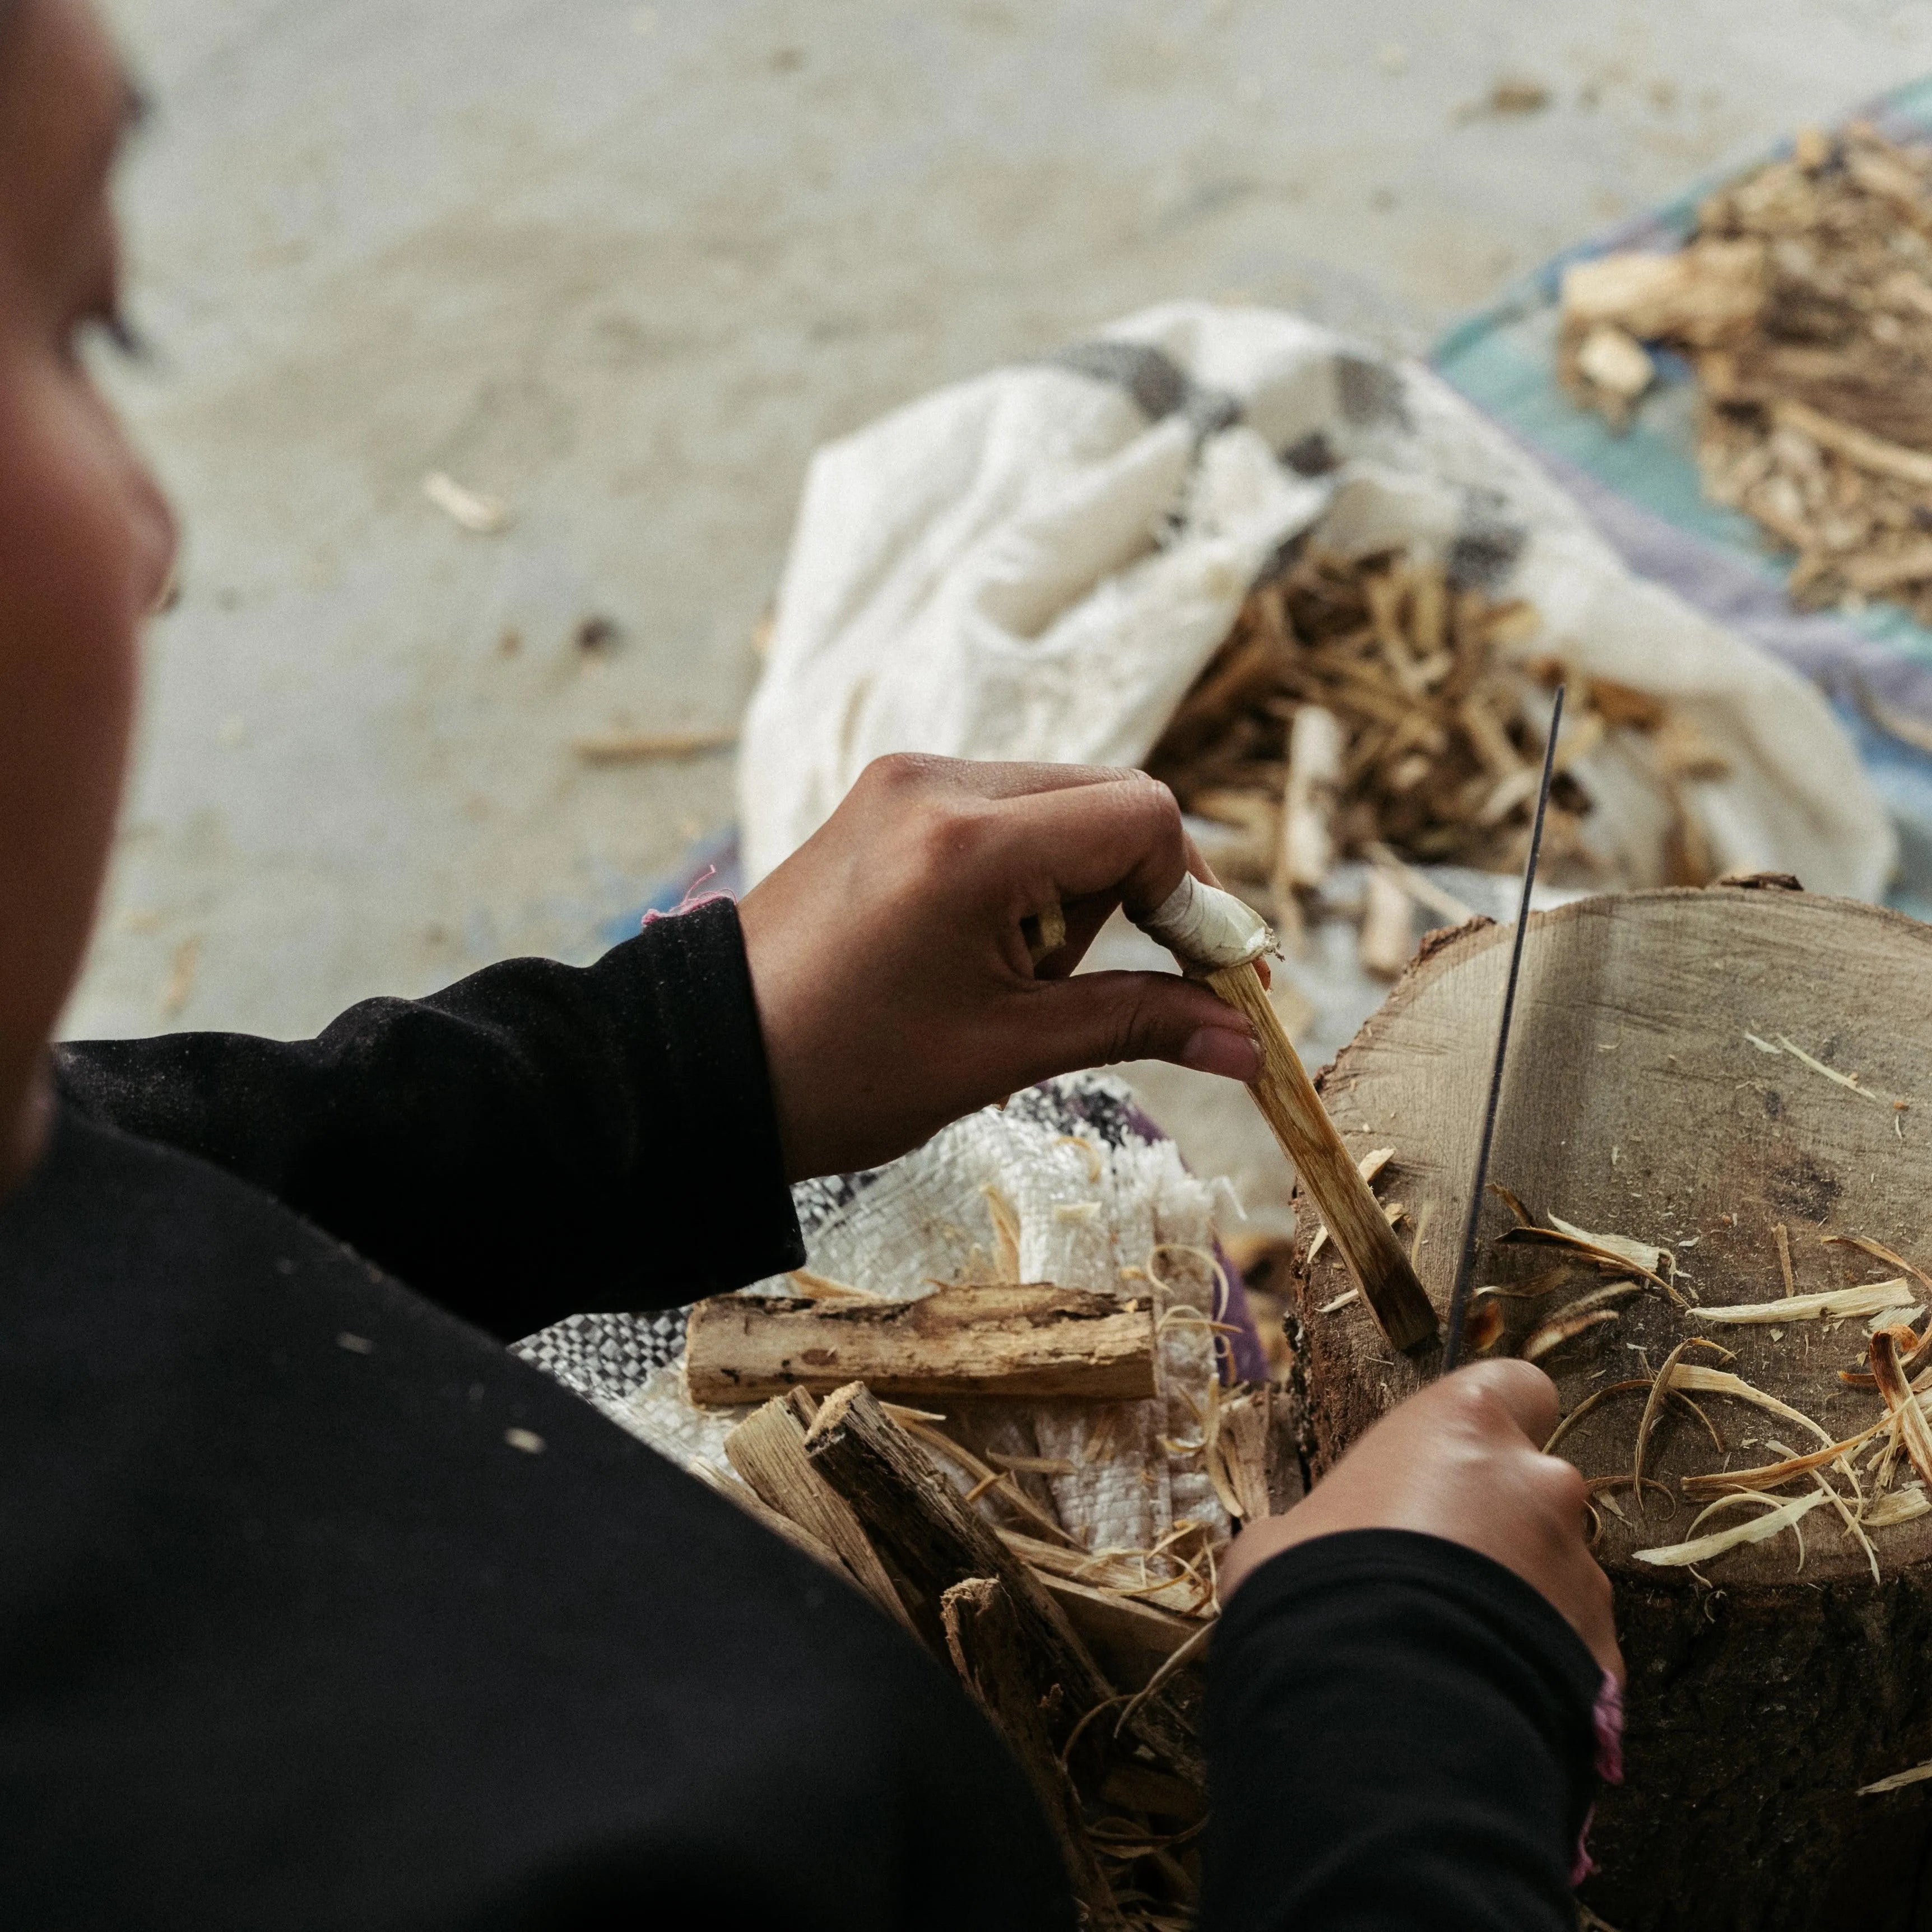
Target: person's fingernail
{"points": [[1223, 1050]]}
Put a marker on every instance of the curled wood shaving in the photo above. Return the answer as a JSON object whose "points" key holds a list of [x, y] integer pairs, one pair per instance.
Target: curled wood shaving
{"points": [[1644, 1254], [1908, 1417], [1659, 1387], [1778, 1518], [1833, 1305], [1607, 1259], [1694, 1376], [1524, 1218], [1591, 1311], [1006, 1221], [1484, 1327], [1589, 1404], [1774, 1475]]}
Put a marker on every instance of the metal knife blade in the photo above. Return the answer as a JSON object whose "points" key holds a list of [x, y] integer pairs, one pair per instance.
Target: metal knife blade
{"points": [[1458, 1296]]}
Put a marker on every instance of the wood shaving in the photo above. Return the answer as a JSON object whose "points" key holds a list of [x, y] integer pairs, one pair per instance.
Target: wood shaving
{"points": [[1849, 1081], [1908, 1417], [1835, 1304], [1897, 1781], [1592, 1311], [1702, 1549]]}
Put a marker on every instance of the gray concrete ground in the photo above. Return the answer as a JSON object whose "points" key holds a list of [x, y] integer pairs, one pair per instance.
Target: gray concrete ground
{"points": [[623, 266]]}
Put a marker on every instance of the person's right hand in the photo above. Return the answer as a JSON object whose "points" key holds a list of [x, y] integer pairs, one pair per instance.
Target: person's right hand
{"points": [[1463, 1460]]}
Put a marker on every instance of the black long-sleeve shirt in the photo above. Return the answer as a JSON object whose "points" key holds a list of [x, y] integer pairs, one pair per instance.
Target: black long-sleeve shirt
{"points": [[319, 1608]]}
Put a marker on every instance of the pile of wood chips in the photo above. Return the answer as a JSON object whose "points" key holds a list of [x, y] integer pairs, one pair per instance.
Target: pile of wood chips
{"points": [[1087, 1661], [1367, 708], [1803, 301]]}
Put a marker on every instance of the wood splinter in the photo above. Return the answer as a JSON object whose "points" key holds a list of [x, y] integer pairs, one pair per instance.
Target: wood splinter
{"points": [[1300, 1124]]}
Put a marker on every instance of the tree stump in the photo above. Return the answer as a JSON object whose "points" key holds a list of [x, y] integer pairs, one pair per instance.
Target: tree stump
{"points": [[1638, 1103]]}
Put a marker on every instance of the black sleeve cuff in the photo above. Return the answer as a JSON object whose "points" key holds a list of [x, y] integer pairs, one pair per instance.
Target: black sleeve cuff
{"points": [[1400, 1733]]}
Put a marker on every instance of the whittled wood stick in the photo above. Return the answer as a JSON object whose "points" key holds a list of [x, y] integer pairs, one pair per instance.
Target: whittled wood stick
{"points": [[767, 1449], [988, 1647], [920, 1524], [1300, 1124], [1009, 1339]]}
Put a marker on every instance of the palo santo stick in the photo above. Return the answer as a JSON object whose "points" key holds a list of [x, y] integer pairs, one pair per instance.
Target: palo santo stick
{"points": [[767, 1449], [1351, 1214], [987, 1645], [1023, 1339]]}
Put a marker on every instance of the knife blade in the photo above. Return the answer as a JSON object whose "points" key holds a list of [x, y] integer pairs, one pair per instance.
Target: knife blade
{"points": [[1458, 1296]]}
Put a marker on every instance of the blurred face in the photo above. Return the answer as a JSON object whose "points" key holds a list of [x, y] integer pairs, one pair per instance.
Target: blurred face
{"points": [[85, 540]]}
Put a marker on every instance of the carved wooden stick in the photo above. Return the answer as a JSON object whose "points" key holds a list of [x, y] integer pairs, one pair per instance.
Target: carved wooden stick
{"points": [[1300, 1123], [1009, 1339]]}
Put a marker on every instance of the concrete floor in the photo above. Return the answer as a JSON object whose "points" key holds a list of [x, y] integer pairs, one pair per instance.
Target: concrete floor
{"points": [[623, 266]]}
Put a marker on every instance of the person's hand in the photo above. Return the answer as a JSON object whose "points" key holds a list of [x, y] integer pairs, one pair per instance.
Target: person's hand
{"points": [[892, 978], [1461, 1459]]}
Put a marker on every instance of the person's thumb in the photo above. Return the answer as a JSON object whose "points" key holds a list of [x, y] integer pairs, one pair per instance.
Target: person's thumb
{"points": [[1094, 1019]]}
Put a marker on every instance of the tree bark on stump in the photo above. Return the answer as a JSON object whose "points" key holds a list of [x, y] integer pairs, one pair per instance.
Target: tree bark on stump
{"points": [[1637, 1102]]}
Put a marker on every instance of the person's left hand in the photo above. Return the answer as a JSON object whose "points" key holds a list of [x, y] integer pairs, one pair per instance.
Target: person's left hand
{"points": [[892, 978]]}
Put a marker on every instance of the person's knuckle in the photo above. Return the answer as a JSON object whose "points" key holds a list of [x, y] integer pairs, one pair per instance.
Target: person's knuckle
{"points": [[898, 771]]}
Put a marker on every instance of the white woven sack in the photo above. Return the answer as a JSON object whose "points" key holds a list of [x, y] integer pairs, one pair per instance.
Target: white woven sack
{"points": [[1037, 563]]}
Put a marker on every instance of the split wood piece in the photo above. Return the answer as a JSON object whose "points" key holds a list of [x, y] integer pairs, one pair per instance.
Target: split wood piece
{"points": [[1238, 1454], [1351, 1214], [923, 1527], [1387, 940], [767, 1449], [1308, 803], [1030, 1339], [1131, 1638], [1683, 1125], [986, 1640]]}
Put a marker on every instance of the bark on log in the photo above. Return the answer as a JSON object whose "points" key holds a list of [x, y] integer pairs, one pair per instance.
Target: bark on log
{"points": [[1028, 1338], [926, 1531], [1663, 1083], [986, 1641]]}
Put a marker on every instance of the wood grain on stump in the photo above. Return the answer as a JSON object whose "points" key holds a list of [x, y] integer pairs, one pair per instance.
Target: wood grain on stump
{"points": [[1636, 1104]]}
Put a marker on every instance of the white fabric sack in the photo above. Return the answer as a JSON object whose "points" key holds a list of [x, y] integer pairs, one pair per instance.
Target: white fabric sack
{"points": [[1098, 1208], [1037, 562]]}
